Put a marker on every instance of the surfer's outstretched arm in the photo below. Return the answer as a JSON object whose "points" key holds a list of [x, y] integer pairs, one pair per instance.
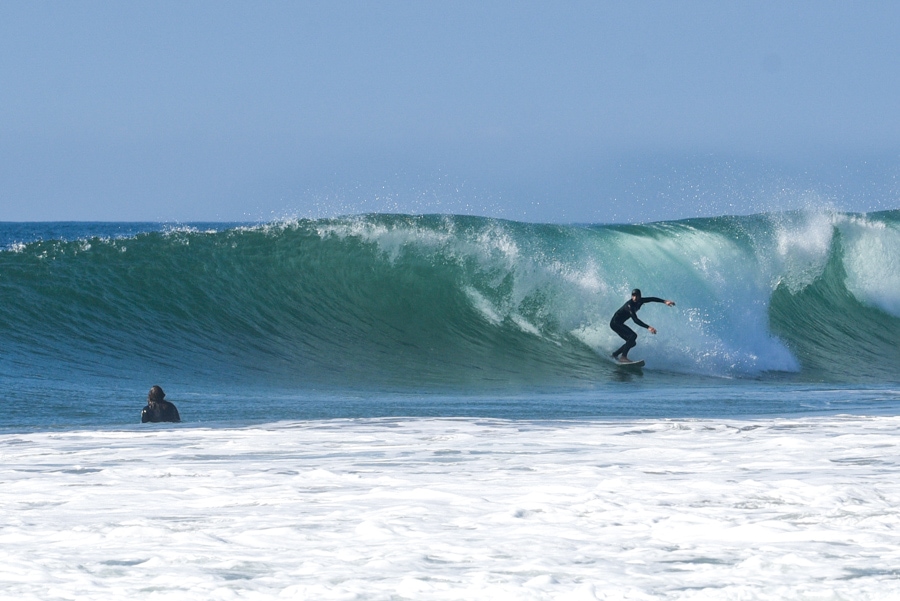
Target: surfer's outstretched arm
{"points": [[656, 299]]}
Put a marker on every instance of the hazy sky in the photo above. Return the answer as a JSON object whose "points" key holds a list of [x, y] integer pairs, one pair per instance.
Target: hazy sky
{"points": [[553, 111]]}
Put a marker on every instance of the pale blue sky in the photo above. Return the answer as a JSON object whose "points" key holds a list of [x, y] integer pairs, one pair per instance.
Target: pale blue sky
{"points": [[553, 111]]}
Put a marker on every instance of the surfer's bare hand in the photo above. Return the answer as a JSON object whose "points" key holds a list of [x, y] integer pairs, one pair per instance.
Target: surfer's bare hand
{"points": [[670, 303], [652, 330]]}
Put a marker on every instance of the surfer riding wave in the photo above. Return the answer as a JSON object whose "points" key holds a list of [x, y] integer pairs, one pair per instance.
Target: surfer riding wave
{"points": [[629, 311]]}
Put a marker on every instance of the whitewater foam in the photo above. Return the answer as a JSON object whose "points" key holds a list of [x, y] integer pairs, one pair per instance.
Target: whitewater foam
{"points": [[456, 509]]}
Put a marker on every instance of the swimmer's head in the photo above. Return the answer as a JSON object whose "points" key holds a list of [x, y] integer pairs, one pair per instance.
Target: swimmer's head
{"points": [[636, 293], [156, 394]]}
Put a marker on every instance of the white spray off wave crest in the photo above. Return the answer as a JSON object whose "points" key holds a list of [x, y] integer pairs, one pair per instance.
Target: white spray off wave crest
{"points": [[802, 245], [872, 263]]}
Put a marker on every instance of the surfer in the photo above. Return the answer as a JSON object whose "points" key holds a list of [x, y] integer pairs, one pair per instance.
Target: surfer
{"points": [[629, 311], [158, 409]]}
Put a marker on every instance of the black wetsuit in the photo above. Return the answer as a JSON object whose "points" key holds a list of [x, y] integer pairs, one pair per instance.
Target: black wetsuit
{"points": [[629, 311], [160, 411]]}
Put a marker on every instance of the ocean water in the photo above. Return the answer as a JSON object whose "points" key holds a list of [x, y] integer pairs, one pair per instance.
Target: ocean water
{"points": [[423, 407]]}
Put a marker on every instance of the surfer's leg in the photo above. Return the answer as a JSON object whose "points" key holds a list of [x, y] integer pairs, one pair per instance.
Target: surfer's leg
{"points": [[629, 344], [628, 335]]}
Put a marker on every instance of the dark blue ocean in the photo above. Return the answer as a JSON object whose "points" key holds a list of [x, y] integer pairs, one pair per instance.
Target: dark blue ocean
{"points": [[780, 314]]}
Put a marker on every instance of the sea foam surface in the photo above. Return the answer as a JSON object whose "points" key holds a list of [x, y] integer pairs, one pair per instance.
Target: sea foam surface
{"points": [[804, 508]]}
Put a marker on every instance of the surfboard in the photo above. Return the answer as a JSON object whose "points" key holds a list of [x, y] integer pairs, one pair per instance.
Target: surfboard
{"points": [[638, 363]]}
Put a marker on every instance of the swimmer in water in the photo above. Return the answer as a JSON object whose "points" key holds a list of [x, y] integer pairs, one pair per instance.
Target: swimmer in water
{"points": [[158, 409]]}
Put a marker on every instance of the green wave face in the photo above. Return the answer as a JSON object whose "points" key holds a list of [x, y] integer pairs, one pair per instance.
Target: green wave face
{"points": [[423, 301]]}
